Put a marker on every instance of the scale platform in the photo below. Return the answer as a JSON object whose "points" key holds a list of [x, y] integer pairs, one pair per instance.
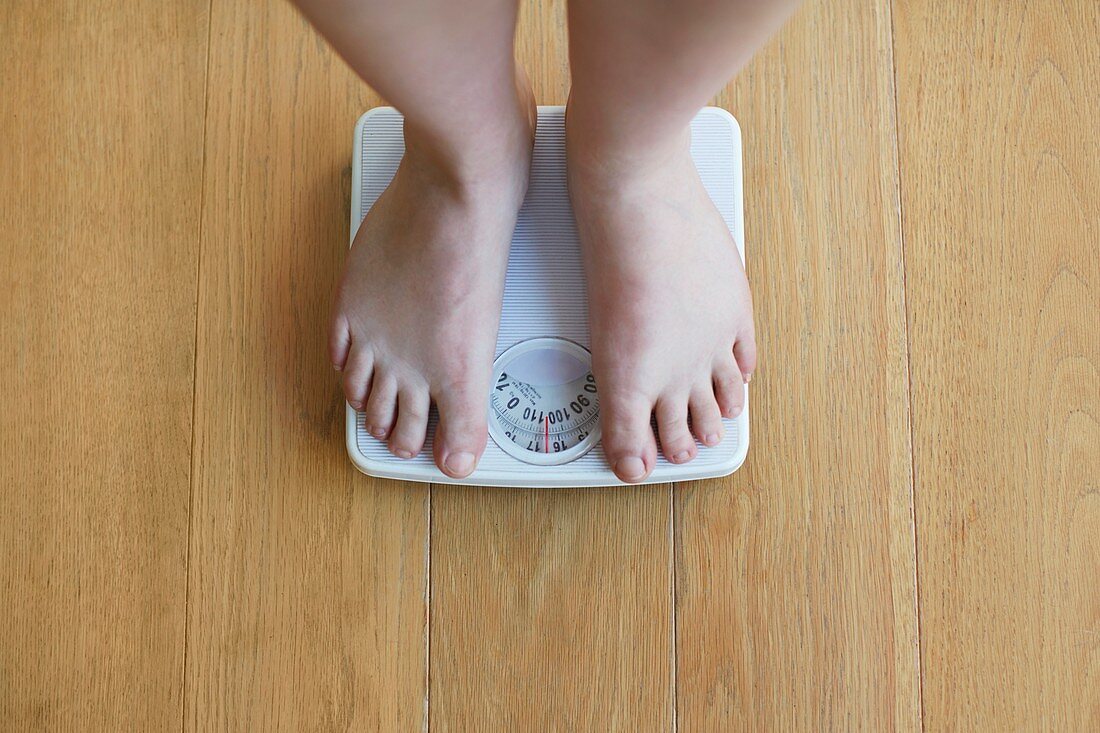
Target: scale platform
{"points": [[543, 402]]}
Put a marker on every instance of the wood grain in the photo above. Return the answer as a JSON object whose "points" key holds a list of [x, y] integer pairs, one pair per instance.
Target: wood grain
{"points": [[308, 581], [1000, 149], [551, 609], [796, 601], [97, 313]]}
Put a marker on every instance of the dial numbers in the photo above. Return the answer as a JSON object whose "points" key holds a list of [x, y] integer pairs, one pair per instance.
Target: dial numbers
{"points": [[544, 405]]}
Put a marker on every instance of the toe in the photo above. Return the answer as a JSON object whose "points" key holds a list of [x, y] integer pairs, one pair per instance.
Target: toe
{"points": [[461, 434], [628, 438], [706, 419], [407, 437], [381, 405], [672, 425], [745, 353], [339, 342], [729, 387], [356, 377]]}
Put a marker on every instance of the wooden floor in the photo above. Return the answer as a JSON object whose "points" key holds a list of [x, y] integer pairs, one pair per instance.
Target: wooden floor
{"points": [[913, 543]]}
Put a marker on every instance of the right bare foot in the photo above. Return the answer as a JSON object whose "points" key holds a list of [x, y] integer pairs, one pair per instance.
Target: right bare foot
{"points": [[418, 309]]}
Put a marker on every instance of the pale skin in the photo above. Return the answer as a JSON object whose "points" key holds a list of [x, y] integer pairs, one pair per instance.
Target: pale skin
{"points": [[416, 316]]}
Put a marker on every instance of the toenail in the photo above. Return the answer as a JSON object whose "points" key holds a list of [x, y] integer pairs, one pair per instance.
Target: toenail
{"points": [[681, 456], [630, 468], [378, 432], [711, 439], [737, 411], [402, 453], [460, 463], [748, 377], [337, 367], [356, 404]]}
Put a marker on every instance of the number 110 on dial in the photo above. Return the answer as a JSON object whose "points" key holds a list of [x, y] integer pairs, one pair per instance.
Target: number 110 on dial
{"points": [[544, 406]]}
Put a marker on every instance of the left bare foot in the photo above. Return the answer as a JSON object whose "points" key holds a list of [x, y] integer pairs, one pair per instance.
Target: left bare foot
{"points": [[670, 308]]}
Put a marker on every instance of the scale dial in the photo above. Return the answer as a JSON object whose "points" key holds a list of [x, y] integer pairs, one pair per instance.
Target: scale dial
{"points": [[544, 408]]}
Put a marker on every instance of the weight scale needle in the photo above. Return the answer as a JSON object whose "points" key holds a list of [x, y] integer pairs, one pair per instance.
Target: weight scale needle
{"points": [[546, 421]]}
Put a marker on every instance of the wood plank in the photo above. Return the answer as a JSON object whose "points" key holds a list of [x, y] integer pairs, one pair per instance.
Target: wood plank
{"points": [[551, 609], [101, 108], [308, 581], [1000, 154], [796, 601]]}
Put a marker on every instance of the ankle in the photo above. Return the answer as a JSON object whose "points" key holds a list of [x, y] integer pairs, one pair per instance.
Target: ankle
{"points": [[468, 161], [595, 160], [481, 149], [595, 151]]}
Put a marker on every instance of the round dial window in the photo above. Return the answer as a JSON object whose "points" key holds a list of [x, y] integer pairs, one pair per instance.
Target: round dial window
{"points": [[544, 408]]}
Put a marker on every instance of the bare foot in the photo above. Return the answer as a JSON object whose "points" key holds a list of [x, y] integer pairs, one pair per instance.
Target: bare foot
{"points": [[417, 312], [670, 309]]}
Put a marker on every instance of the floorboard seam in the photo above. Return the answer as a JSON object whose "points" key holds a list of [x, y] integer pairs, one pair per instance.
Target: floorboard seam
{"points": [[908, 366], [428, 618], [195, 369], [672, 590]]}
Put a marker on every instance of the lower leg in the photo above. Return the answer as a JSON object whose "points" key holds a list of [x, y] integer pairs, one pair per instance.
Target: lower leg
{"points": [[643, 68], [417, 312], [671, 314], [449, 67]]}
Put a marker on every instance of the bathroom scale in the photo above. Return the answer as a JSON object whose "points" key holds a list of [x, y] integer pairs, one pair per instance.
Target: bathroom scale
{"points": [[544, 403]]}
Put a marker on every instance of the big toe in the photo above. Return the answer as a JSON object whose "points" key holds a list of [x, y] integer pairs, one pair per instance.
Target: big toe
{"points": [[628, 438], [461, 435]]}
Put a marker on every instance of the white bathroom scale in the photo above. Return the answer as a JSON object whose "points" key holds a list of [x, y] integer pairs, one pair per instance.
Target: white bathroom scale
{"points": [[543, 401]]}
